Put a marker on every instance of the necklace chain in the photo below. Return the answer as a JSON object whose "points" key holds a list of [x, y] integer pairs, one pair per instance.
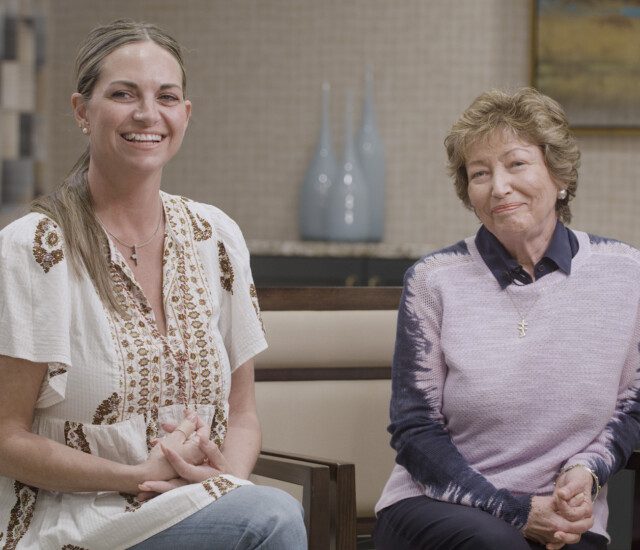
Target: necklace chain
{"points": [[522, 325], [134, 247]]}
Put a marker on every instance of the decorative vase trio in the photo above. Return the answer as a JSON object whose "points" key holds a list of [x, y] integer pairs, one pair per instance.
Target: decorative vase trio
{"points": [[345, 201]]}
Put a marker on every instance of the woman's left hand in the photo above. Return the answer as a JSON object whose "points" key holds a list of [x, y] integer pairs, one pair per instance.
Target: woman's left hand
{"points": [[213, 465], [572, 494], [180, 438]]}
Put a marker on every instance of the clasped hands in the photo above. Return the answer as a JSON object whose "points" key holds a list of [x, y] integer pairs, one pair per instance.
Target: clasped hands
{"points": [[185, 455], [564, 516]]}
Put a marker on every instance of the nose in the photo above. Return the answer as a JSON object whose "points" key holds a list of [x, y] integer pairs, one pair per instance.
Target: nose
{"points": [[501, 184], [146, 112]]}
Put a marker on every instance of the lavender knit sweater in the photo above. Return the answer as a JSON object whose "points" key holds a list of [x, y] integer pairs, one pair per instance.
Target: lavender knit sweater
{"points": [[484, 418]]}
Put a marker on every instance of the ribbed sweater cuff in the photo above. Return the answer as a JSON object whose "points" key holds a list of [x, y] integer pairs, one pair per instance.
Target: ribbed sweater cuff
{"points": [[516, 510]]}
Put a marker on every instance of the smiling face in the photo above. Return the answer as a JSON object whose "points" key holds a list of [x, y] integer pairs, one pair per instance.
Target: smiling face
{"points": [[510, 188], [137, 114]]}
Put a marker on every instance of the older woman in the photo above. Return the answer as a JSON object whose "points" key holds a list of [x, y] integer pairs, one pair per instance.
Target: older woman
{"points": [[515, 376], [124, 311]]}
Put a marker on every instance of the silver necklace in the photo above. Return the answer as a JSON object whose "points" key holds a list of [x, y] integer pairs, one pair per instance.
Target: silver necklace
{"points": [[134, 247], [522, 324]]}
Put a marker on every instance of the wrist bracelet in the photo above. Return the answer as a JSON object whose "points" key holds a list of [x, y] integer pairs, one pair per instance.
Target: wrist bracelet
{"points": [[595, 486]]}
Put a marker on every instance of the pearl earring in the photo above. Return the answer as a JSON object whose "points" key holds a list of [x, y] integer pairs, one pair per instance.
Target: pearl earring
{"points": [[562, 194], [85, 130]]}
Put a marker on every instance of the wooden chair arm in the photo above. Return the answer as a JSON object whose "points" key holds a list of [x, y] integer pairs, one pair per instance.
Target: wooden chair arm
{"points": [[342, 496], [315, 481]]}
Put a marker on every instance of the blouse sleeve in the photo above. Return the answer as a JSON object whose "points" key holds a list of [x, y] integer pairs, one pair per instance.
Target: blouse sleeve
{"points": [[611, 449], [34, 300], [423, 444], [240, 320]]}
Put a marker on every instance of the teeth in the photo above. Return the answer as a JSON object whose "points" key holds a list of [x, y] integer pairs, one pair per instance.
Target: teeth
{"points": [[142, 137]]}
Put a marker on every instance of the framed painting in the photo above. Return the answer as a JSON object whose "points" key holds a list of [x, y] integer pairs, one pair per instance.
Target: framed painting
{"points": [[586, 55]]}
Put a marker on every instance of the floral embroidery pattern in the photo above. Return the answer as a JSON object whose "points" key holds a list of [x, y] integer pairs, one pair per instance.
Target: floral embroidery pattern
{"points": [[199, 233], [44, 245], [226, 269], [21, 514], [72, 547], [139, 353], [132, 503], [107, 411], [75, 437], [151, 420], [56, 370], [256, 306], [182, 366], [219, 425], [218, 486]]}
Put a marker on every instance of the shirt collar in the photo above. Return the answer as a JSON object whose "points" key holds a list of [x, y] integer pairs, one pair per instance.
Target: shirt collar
{"points": [[561, 250]]}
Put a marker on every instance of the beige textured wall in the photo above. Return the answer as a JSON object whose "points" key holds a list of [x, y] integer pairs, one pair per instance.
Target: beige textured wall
{"points": [[255, 68]]}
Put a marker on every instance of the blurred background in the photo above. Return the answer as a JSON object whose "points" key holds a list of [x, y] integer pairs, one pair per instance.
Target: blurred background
{"points": [[255, 71]]}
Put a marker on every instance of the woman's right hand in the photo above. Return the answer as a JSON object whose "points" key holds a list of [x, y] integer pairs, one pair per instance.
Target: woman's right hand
{"points": [[546, 526], [179, 440]]}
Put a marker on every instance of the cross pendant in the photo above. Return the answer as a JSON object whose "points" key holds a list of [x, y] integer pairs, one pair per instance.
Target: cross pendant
{"points": [[522, 328], [134, 255]]}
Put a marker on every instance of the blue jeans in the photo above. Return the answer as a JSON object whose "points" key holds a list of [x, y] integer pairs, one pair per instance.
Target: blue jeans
{"points": [[249, 517]]}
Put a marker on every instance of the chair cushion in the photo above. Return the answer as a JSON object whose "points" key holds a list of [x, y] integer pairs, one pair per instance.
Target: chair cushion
{"points": [[343, 420]]}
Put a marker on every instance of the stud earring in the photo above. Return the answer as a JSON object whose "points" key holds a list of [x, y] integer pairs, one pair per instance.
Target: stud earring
{"points": [[562, 194], [85, 130]]}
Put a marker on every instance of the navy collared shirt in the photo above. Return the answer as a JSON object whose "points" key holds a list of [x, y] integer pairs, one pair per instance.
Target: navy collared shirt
{"points": [[562, 248]]}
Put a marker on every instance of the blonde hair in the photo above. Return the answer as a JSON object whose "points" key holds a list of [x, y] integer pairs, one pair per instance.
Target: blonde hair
{"points": [[532, 117], [70, 206]]}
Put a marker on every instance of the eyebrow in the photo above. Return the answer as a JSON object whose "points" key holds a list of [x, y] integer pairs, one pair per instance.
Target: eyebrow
{"points": [[505, 154], [523, 149], [131, 84]]}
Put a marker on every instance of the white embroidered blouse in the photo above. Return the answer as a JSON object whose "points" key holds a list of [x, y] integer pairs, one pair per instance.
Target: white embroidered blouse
{"points": [[112, 381]]}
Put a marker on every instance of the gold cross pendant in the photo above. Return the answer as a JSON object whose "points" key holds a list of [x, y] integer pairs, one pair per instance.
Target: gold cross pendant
{"points": [[522, 328], [134, 255]]}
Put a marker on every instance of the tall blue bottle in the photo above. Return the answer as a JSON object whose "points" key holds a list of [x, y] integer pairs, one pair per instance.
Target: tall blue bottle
{"points": [[371, 156], [348, 208], [318, 180]]}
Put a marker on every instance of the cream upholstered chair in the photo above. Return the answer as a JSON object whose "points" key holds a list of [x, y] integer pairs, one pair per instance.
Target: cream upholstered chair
{"points": [[323, 390]]}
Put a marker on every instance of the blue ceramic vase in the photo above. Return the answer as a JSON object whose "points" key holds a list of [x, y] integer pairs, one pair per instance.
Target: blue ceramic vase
{"points": [[318, 180], [371, 157], [348, 206]]}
